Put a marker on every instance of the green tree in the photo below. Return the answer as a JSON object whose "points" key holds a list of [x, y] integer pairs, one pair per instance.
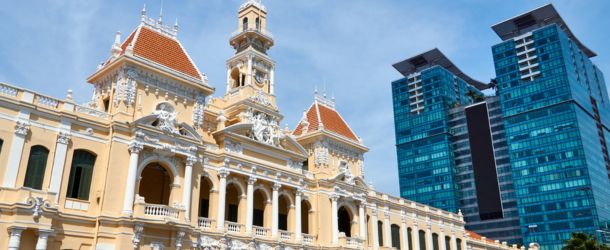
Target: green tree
{"points": [[583, 241]]}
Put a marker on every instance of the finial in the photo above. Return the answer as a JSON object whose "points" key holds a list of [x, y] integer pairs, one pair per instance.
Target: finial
{"points": [[116, 47], [176, 25], [69, 95], [315, 90], [160, 21], [117, 38], [143, 12]]}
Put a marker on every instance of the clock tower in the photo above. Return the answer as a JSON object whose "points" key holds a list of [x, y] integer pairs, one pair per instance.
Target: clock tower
{"points": [[251, 68]]}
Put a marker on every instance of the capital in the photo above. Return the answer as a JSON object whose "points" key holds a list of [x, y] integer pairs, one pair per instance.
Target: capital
{"points": [[223, 173], [276, 186], [362, 204], [251, 180], [334, 197], [63, 137], [299, 192], [135, 147], [22, 128], [191, 160]]}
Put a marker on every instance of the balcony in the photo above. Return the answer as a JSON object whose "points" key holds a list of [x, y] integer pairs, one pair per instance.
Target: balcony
{"points": [[205, 223], [348, 242], [261, 231], [233, 227], [264, 33], [308, 239], [285, 235], [158, 211]]}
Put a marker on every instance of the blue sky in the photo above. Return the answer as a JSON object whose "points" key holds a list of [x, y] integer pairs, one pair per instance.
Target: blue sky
{"points": [[347, 45]]}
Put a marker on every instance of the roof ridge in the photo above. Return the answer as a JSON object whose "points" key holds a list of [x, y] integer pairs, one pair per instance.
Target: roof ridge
{"points": [[203, 77], [315, 102]]}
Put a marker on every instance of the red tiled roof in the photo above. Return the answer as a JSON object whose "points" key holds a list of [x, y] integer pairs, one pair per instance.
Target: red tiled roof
{"points": [[329, 117], [161, 49], [479, 237]]}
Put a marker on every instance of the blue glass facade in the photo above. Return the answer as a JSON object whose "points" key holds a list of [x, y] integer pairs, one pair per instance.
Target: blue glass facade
{"points": [[555, 105]]}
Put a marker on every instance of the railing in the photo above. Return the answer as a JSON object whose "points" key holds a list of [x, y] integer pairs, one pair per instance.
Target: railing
{"points": [[352, 242], [205, 223], [8, 90], [156, 210], [91, 112], [308, 239], [285, 235], [263, 32], [261, 231], [233, 227]]}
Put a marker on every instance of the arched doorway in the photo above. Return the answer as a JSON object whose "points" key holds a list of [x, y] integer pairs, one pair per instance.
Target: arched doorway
{"points": [[261, 201], [283, 212], [345, 221], [155, 184], [305, 210], [232, 203], [204, 197]]}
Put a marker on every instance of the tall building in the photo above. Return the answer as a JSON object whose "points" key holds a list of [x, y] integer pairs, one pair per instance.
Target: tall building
{"points": [[451, 145], [153, 162], [555, 107], [529, 164]]}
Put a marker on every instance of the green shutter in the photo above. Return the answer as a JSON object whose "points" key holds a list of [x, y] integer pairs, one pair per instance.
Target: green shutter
{"points": [[37, 162], [81, 173]]}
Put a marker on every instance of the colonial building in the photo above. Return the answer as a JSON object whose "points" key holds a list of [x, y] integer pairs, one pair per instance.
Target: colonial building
{"points": [[153, 162]]}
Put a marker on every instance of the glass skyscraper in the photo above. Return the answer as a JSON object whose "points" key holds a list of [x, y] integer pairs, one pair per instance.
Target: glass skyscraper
{"points": [[555, 106], [530, 164]]}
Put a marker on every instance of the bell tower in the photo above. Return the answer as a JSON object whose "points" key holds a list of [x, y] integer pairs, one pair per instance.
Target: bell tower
{"points": [[251, 67]]}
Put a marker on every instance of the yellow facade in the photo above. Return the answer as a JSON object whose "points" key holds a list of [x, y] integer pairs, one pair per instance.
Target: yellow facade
{"points": [[152, 162]]}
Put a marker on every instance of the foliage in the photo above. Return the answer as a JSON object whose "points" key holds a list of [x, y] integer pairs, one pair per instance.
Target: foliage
{"points": [[583, 241]]}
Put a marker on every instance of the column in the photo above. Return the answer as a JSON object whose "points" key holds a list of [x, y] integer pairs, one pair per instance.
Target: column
{"points": [[429, 237], [335, 219], [59, 163], [453, 240], [222, 196], [250, 204], [43, 236], [297, 229], [442, 239], [188, 189], [362, 220], [403, 232], [14, 237], [387, 227], [14, 158], [415, 235], [272, 82], [130, 186], [249, 74], [375, 231], [274, 210]]}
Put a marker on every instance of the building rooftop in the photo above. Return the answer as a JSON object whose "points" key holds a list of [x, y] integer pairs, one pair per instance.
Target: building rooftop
{"points": [[432, 58], [322, 115], [534, 19]]}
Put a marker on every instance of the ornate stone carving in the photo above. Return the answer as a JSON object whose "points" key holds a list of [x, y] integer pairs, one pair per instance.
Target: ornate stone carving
{"points": [[347, 173], [64, 137], [321, 152], [191, 160], [233, 147], [37, 203], [179, 238], [294, 164], [22, 128], [276, 186], [251, 180], [166, 118], [198, 111], [137, 234], [126, 87], [265, 128], [223, 173], [261, 98], [207, 242], [238, 245]]}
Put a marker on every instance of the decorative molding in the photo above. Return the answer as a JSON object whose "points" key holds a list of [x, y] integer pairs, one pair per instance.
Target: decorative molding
{"points": [[22, 128], [64, 137], [265, 127], [252, 180], [321, 152], [261, 98], [223, 173], [179, 238], [198, 111], [37, 204], [135, 147], [276, 186], [137, 234], [166, 118], [233, 147]]}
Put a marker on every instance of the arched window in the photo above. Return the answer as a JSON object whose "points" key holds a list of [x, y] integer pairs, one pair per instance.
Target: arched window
{"points": [[380, 232], [395, 236], [81, 171], [447, 242], [459, 244], [258, 23], [260, 203], [422, 240], [410, 238], [435, 242], [155, 184], [305, 209], [204, 197], [245, 24], [37, 163]]}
